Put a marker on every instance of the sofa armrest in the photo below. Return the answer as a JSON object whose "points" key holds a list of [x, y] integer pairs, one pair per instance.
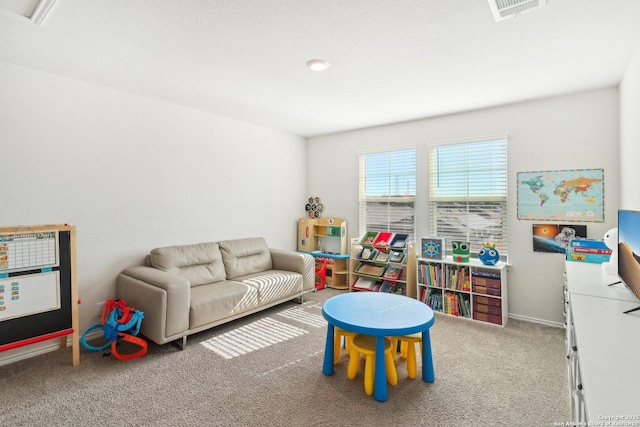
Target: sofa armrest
{"points": [[163, 297], [295, 261]]}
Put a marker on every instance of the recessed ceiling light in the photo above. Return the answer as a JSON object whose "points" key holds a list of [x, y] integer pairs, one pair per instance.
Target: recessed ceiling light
{"points": [[318, 64]]}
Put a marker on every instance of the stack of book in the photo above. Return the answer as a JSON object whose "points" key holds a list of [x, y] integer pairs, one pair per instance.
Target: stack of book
{"points": [[588, 250], [430, 275], [434, 300], [456, 304], [458, 278]]}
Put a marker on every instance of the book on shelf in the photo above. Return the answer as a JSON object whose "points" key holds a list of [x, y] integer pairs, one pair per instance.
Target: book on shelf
{"points": [[434, 300], [368, 253], [450, 304], [465, 282], [364, 283], [465, 306], [456, 304], [458, 278], [396, 256], [385, 286], [392, 288], [399, 288], [383, 239], [382, 256], [399, 240], [430, 275], [371, 269], [368, 238], [393, 272], [485, 273]]}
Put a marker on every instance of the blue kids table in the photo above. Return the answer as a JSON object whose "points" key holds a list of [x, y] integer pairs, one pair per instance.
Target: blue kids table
{"points": [[381, 315]]}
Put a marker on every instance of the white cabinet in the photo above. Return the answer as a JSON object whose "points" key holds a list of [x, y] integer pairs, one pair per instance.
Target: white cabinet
{"points": [[471, 290], [602, 347]]}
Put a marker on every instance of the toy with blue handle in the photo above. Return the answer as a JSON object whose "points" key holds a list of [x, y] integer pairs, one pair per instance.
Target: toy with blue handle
{"points": [[121, 320]]}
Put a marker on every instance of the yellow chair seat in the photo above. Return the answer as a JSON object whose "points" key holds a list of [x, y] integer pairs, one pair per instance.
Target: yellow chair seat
{"points": [[366, 345], [408, 350], [338, 333]]}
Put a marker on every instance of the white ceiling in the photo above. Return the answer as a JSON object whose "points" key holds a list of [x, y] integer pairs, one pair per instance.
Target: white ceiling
{"points": [[391, 60]]}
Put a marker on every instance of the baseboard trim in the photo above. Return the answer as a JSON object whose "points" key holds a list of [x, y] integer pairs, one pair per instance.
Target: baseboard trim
{"points": [[39, 349], [535, 320], [53, 345]]}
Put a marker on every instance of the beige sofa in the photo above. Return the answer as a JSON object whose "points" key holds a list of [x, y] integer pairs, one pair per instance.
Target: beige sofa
{"points": [[187, 289]]}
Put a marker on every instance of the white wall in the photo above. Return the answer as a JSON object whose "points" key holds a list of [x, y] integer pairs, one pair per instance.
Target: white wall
{"points": [[134, 173], [630, 135], [569, 132]]}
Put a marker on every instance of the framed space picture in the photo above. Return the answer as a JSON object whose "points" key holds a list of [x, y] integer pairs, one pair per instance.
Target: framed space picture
{"points": [[433, 248], [555, 238]]}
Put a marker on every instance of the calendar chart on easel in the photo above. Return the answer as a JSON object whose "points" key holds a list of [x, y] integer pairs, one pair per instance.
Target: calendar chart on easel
{"points": [[29, 250], [38, 288]]}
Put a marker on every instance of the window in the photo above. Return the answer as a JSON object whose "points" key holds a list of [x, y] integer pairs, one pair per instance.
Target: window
{"points": [[468, 193], [388, 192]]}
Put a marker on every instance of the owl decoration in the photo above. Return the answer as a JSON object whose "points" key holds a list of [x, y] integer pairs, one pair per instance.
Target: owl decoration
{"points": [[489, 254], [461, 251]]}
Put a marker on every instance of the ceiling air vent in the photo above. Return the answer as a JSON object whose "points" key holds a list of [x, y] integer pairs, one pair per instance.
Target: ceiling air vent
{"points": [[503, 9]]}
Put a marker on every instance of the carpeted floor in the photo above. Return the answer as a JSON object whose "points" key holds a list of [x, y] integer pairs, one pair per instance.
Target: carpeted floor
{"points": [[266, 370]]}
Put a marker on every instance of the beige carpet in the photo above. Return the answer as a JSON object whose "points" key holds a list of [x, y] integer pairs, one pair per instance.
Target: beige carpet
{"points": [[266, 370]]}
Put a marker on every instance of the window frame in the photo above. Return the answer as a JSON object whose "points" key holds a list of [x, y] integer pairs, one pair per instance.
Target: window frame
{"points": [[483, 208], [389, 198]]}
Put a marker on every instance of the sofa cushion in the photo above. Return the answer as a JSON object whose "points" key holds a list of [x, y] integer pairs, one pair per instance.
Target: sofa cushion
{"points": [[199, 263], [245, 256], [273, 285], [215, 301]]}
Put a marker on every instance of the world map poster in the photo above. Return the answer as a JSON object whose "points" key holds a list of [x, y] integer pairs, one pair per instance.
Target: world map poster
{"points": [[563, 195]]}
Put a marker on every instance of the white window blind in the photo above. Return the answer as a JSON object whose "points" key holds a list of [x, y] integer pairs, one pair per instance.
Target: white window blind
{"points": [[468, 193], [388, 192]]}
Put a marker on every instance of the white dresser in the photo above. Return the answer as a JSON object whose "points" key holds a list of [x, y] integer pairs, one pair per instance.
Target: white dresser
{"points": [[603, 347]]}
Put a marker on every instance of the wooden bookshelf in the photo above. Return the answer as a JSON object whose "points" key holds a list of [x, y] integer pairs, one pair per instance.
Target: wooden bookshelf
{"points": [[383, 262]]}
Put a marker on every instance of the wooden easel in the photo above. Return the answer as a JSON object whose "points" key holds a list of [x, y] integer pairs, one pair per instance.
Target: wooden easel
{"points": [[35, 331]]}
